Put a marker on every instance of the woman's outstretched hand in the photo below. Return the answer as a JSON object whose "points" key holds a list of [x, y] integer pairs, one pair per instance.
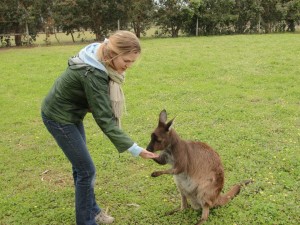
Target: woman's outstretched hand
{"points": [[148, 155]]}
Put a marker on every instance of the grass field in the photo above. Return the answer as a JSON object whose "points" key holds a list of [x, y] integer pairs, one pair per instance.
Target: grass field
{"points": [[240, 94]]}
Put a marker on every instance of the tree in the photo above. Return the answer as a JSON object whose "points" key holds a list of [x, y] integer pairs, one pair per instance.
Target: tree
{"points": [[292, 14], [270, 14], [248, 14], [67, 16], [191, 27], [172, 15], [36, 12], [23, 18], [14, 17], [216, 16], [102, 16], [140, 14]]}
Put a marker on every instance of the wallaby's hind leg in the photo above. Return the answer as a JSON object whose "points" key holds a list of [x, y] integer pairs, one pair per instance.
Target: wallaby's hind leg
{"points": [[183, 206], [205, 213], [184, 203]]}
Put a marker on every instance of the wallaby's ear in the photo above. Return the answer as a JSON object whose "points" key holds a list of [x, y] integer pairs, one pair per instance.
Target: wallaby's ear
{"points": [[162, 117], [169, 124]]}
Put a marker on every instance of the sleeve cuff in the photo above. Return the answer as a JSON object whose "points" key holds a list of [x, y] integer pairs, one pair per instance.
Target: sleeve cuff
{"points": [[135, 150]]}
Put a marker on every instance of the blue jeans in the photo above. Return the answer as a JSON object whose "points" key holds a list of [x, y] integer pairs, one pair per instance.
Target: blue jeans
{"points": [[71, 139]]}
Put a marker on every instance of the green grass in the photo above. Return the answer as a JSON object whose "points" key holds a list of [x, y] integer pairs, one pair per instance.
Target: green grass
{"points": [[240, 94]]}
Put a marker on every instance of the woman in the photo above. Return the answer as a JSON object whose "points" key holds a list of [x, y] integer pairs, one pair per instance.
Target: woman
{"points": [[92, 83]]}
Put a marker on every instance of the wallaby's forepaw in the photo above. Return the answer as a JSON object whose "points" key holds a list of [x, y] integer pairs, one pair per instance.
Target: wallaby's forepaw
{"points": [[155, 174]]}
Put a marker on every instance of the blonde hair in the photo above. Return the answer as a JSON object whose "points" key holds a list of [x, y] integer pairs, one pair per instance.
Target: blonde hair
{"points": [[123, 42], [119, 43]]}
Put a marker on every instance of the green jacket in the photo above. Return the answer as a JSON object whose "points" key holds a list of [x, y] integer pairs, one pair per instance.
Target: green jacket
{"points": [[76, 92]]}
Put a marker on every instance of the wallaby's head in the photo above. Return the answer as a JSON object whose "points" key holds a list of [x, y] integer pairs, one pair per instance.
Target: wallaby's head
{"points": [[160, 138]]}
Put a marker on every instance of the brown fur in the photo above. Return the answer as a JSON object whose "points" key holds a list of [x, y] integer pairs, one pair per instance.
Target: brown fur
{"points": [[197, 168]]}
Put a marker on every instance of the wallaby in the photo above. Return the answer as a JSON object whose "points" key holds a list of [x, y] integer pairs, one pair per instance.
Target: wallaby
{"points": [[197, 168]]}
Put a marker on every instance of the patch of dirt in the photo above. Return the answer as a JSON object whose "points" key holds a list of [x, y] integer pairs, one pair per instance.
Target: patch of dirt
{"points": [[57, 179]]}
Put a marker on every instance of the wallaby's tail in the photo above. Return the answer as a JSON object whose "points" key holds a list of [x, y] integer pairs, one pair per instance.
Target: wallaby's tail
{"points": [[235, 190]]}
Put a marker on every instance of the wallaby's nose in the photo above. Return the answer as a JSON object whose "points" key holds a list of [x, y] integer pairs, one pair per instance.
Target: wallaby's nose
{"points": [[150, 148]]}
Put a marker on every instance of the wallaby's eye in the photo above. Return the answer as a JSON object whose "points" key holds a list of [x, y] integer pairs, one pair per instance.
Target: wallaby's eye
{"points": [[155, 138], [159, 140]]}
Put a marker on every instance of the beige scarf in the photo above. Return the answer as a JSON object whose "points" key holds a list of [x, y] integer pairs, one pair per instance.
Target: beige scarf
{"points": [[116, 93]]}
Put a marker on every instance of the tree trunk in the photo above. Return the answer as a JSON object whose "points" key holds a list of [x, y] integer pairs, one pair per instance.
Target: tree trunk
{"points": [[267, 28], [291, 25], [56, 37], [138, 30], [72, 37], [18, 40], [18, 37]]}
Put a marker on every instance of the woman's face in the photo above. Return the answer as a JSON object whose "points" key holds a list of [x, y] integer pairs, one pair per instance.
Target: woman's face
{"points": [[122, 62]]}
